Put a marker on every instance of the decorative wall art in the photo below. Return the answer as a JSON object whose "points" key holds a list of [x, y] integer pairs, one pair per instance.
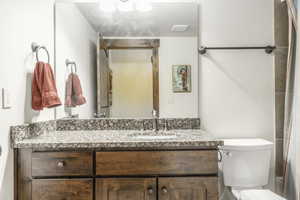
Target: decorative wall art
{"points": [[181, 78]]}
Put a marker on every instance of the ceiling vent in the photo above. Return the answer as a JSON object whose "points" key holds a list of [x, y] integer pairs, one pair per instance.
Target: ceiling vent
{"points": [[179, 28]]}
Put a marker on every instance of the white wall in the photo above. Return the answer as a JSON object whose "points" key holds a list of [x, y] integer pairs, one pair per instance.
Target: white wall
{"points": [[77, 41], [22, 22], [132, 92], [177, 51], [236, 97]]}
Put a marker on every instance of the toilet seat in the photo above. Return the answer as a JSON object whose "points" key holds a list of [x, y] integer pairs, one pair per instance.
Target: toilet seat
{"points": [[256, 195]]}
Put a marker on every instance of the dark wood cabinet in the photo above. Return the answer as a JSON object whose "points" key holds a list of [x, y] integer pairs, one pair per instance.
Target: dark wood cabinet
{"points": [[62, 164], [126, 189], [116, 175], [67, 189], [156, 162], [190, 188]]}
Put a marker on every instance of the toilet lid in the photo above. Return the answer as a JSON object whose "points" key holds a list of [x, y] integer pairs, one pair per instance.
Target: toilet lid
{"points": [[246, 144], [259, 195]]}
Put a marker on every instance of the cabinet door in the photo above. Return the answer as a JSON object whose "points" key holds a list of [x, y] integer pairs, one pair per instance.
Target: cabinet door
{"points": [[126, 189], [67, 189], [191, 188]]}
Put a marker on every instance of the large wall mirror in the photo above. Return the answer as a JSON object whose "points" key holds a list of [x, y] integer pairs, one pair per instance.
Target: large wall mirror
{"points": [[127, 63]]}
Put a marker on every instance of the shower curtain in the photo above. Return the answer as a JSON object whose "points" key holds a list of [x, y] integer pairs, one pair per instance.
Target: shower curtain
{"points": [[292, 108]]}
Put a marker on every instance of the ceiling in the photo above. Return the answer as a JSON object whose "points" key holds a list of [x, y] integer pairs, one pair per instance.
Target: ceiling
{"points": [[157, 22]]}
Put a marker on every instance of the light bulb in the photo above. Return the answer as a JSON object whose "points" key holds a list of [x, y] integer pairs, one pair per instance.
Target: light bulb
{"points": [[107, 5], [125, 5], [143, 5]]}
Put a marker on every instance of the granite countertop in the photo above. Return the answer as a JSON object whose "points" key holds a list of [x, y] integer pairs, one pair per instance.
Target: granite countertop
{"points": [[120, 139]]}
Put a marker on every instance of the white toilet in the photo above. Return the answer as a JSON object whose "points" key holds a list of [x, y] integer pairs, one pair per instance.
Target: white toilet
{"points": [[245, 165]]}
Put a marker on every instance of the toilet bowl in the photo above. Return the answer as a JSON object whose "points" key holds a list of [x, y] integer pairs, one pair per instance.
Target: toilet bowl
{"points": [[245, 166]]}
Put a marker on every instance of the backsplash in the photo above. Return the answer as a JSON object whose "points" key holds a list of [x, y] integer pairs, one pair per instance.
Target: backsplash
{"points": [[126, 124], [35, 129]]}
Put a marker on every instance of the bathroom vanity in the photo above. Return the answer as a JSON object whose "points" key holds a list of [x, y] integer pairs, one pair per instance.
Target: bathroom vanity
{"points": [[112, 175], [116, 164]]}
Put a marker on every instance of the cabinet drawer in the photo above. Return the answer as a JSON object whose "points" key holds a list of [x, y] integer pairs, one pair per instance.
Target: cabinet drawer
{"points": [[78, 189], [62, 164], [156, 163]]}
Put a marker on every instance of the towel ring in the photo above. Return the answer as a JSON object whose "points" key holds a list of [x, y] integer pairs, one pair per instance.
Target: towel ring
{"points": [[35, 48], [72, 63]]}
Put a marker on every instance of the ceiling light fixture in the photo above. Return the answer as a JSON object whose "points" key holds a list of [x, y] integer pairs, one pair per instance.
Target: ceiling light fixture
{"points": [[125, 5]]}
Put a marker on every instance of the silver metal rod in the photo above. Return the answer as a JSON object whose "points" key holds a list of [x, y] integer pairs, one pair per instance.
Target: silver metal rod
{"points": [[268, 49]]}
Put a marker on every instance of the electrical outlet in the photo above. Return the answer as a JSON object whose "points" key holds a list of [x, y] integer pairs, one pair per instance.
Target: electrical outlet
{"points": [[5, 99]]}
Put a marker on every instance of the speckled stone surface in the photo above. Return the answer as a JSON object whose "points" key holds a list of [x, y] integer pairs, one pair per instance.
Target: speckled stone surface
{"points": [[25, 131], [112, 133], [120, 139], [30, 130], [126, 124]]}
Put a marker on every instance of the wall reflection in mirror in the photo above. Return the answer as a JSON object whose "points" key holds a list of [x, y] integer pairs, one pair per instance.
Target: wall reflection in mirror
{"points": [[125, 61]]}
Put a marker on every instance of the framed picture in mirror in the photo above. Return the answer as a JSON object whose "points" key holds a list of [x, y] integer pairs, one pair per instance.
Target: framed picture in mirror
{"points": [[181, 78]]}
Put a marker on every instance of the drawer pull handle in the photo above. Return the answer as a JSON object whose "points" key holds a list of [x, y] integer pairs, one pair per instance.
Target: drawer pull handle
{"points": [[150, 190], [61, 164], [164, 190]]}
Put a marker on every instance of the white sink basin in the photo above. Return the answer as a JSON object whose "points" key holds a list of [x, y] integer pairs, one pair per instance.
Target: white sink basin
{"points": [[155, 137]]}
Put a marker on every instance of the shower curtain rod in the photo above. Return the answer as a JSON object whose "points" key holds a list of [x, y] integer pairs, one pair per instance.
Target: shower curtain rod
{"points": [[268, 49]]}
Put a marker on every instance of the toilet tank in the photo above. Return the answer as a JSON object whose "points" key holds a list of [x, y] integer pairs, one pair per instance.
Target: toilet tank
{"points": [[246, 162]]}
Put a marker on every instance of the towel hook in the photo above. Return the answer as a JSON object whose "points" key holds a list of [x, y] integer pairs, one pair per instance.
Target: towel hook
{"points": [[35, 48], [72, 63]]}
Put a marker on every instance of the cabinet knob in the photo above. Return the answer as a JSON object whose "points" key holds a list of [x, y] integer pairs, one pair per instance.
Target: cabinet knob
{"points": [[164, 190], [61, 164], [150, 190]]}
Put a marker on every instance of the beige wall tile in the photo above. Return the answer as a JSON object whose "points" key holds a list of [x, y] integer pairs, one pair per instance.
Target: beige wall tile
{"points": [[279, 157], [280, 23], [279, 109], [280, 69]]}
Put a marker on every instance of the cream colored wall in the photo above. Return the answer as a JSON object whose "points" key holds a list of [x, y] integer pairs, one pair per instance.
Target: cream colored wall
{"points": [[132, 91], [22, 22]]}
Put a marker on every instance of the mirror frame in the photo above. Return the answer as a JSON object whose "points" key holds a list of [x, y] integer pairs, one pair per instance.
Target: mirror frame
{"points": [[107, 44]]}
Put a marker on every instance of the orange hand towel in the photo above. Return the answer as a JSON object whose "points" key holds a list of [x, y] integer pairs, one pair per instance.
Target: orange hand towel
{"points": [[74, 94], [44, 91]]}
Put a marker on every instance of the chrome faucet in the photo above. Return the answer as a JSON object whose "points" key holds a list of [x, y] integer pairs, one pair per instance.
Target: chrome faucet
{"points": [[155, 120]]}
